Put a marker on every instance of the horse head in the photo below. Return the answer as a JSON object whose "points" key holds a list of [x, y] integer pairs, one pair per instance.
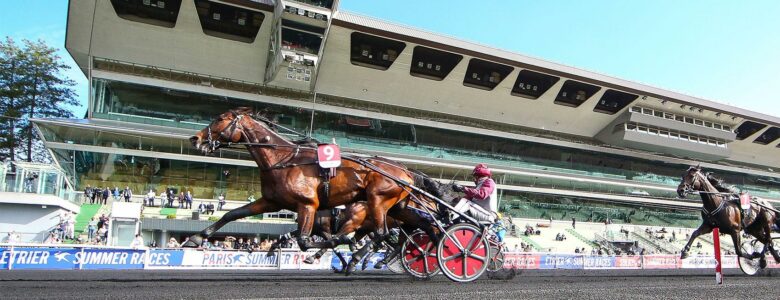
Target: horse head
{"points": [[228, 127], [692, 180]]}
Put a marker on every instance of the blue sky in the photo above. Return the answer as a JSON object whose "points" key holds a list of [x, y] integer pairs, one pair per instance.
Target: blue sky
{"points": [[724, 51]]}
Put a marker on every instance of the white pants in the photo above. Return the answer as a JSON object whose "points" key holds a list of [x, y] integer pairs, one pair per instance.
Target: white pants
{"points": [[476, 211]]}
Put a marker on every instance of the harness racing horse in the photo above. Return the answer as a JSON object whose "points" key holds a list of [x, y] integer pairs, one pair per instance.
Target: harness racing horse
{"points": [[291, 178], [718, 211], [409, 215]]}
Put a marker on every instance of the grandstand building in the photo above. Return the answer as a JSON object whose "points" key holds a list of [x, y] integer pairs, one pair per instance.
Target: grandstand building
{"points": [[563, 142]]}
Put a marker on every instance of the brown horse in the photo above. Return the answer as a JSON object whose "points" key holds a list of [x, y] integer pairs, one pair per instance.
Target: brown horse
{"points": [[291, 178], [407, 215], [719, 211]]}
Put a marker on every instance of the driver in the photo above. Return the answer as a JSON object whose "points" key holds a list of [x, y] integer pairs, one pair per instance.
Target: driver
{"points": [[481, 201]]}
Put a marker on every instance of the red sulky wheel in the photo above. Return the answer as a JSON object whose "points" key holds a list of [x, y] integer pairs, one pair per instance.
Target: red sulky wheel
{"points": [[463, 253], [419, 256]]}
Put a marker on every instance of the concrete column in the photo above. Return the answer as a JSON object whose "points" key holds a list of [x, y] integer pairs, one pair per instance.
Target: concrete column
{"points": [[164, 236]]}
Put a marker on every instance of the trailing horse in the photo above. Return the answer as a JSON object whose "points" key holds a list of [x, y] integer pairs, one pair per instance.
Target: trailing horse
{"points": [[291, 178], [719, 211]]}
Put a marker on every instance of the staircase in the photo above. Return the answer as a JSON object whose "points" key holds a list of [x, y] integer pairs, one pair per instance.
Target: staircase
{"points": [[650, 242], [531, 242], [582, 238], [85, 215]]}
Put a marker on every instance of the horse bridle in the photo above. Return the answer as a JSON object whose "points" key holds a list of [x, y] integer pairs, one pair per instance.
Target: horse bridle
{"points": [[215, 144]]}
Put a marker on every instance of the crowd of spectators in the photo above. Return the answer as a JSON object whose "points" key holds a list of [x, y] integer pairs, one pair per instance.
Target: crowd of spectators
{"points": [[230, 243]]}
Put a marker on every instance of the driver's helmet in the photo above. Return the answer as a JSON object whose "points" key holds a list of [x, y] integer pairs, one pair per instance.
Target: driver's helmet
{"points": [[481, 170]]}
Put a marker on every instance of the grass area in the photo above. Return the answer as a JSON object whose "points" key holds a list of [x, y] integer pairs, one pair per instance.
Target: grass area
{"points": [[168, 211], [85, 215], [581, 238], [533, 244]]}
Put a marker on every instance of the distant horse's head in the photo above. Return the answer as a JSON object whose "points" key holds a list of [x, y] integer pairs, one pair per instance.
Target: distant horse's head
{"points": [[692, 180], [226, 128]]}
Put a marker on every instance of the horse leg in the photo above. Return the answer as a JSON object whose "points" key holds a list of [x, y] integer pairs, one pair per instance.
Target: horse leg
{"points": [[358, 256], [704, 228], [736, 238], [258, 207], [306, 214], [312, 258], [768, 243]]}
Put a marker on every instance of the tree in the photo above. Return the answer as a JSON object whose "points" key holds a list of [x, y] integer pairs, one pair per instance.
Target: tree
{"points": [[32, 85]]}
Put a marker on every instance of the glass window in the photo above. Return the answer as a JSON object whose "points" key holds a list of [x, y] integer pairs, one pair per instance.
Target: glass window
{"points": [[630, 126], [659, 114], [669, 116], [679, 118], [684, 136], [653, 131], [674, 135], [663, 132], [718, 126], [698, 122], [613, 101], [726, 128], [689, 120], [636, 109], [373, 51], [484, 74], [708, 124], [647, 111]]}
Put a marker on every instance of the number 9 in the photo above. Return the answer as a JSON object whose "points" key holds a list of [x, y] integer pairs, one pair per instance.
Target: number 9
{"points": [[329, 153]]}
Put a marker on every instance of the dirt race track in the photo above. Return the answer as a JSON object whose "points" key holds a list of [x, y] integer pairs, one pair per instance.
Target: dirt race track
{"points": [[244, 284]]}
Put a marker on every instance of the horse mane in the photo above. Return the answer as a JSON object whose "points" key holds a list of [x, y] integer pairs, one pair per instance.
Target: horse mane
{"points": [[718, 184], [433, 187]]}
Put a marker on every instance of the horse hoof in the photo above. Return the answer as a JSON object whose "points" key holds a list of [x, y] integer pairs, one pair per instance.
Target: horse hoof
{"points": [[684, 255], [193, 242], [762, 263], [270, 253], [309, 260], [379, 265]]}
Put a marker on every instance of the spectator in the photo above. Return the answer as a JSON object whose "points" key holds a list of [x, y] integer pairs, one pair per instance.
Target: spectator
{"points": [[188, 200], [163, 198], [128, 193], [116, 193], [13, 237], [138, 242], [573, 223], [187, 239], [97, 194], [210, 209], [201, 208], [88, 195], [106, 193], [102, 234], [153, 244], [92, 228], [180, 198], [171, 196], [221, 199], [172, 243], [251, 198], [149, 200]]}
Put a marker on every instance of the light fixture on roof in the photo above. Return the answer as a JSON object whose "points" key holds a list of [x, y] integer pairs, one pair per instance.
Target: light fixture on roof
{"points": [[682, 106], [644, 97], [691, 108], [733, 117], [663, 101], [701, 110], [717, 114]]}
